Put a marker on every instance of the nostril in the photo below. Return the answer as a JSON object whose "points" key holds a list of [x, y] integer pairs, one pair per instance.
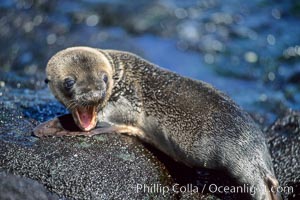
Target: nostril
{"points": [[95, 95]]}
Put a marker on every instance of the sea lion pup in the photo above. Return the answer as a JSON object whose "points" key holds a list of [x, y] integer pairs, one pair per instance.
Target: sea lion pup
{"points": [[187, 119]]}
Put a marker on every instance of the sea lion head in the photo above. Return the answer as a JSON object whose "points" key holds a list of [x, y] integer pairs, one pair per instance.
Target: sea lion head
{"points": [[81, 79]]}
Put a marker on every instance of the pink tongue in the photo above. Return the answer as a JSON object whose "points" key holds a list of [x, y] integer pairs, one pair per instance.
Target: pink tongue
{"points": [[85, 117]]}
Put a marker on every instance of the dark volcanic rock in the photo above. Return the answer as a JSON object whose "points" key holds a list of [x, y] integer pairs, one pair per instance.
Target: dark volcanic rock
{"points": [[19, 188], [284, 142], [102, 167], [105, 167]]}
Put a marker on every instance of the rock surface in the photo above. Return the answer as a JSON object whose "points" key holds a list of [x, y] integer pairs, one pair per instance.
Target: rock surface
{"points": [[102, 167], [284, 142]]}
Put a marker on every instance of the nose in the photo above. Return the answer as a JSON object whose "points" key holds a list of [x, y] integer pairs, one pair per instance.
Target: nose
{"points": [[94, 94], [91, 97]]}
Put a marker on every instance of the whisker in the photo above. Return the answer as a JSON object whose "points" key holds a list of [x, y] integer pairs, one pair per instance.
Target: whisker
{"points": [[71, 105]]}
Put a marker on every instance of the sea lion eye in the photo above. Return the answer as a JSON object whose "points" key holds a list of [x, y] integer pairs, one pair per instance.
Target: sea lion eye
{"points": [[105, 78], [68, 83]]}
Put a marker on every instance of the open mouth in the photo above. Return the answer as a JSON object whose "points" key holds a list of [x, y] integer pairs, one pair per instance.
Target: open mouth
{"points": [[85, 117]]}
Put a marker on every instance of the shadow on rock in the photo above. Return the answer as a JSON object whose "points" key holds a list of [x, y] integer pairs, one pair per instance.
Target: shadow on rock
{"points": [[15, 187]]}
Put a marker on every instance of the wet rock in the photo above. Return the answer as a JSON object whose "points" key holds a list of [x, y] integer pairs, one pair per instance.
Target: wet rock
{"points": [[12, 79], [19, 188], [295, 78], [284, 143], [14, 127]]}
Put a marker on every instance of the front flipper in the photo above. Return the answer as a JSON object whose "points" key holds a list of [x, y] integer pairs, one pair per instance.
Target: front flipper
{"points": [[272, 187], [61, 126], [65, 126]]}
